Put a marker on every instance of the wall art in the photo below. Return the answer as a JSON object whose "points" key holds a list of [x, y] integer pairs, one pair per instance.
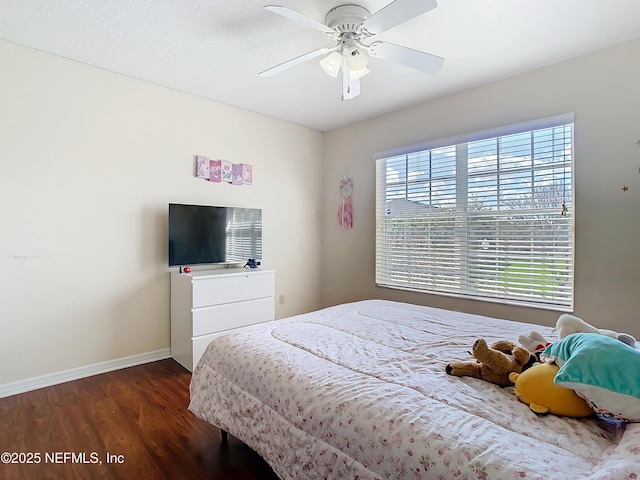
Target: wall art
{"points": [[227, 171], [236, 174], [247, 174], [345, 212], [202, 167], [215, 171], [224, 171]]}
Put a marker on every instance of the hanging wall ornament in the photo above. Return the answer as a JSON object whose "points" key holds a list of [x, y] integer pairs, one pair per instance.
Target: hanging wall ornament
{"points": [[345, 212]]}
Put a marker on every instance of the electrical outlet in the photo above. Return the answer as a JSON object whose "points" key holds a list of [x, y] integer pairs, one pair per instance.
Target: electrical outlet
{"points": [[281, 299]]}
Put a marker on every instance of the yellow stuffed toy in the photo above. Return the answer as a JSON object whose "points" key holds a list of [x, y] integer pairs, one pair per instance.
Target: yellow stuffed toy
{"points": [[535, 387]]}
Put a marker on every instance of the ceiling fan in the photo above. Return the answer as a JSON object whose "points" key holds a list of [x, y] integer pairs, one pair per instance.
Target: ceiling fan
{"points": [[349, 26]]}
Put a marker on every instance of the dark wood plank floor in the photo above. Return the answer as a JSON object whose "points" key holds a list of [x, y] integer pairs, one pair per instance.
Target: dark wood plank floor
{"points": [[128, 424]]}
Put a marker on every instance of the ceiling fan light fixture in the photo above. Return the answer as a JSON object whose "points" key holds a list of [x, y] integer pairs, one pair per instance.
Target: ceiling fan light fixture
{"points": [[331, 64], [357, 58], [353, 74]]}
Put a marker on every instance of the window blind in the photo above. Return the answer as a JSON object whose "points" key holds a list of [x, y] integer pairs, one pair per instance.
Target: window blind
{"points": [[487, 218]]}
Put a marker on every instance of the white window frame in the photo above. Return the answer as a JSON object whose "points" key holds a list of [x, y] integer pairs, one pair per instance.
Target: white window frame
{"points": [[413, 253]]}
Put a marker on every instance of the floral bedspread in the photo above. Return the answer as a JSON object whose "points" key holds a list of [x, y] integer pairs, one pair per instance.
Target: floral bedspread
{"points": [[359, 391]]}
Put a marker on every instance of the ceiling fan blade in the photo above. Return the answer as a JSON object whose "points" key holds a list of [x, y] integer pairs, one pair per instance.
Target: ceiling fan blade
{"points": [[295, 61], [298, 17], [350, 84], [425, 62], [397, 12]]}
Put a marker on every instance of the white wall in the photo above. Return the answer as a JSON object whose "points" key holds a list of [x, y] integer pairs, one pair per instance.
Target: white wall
{"points": [[603, 91], [89, 161]]}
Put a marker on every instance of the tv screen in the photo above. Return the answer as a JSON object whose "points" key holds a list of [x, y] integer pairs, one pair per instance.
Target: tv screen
{"points": [[200, 234]]}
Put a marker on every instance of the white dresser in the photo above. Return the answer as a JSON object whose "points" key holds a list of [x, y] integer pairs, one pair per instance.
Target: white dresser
{"points": [[206, 304]]}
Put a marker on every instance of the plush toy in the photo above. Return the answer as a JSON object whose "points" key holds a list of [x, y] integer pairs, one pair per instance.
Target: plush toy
{"points": [[493, 364], [568, 324], [534, 342], [535, 388]]}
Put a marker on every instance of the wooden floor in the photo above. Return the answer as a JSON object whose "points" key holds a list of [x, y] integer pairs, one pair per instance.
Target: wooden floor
{"points": [[128, 424]]}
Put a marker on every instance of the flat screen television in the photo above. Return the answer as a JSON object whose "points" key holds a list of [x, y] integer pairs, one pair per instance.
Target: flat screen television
{"points": [[201, 234]]}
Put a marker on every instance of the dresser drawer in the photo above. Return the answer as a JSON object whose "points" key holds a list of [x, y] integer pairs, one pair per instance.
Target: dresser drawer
{"points": [[214, 291], [199, 345], [232, 315]]}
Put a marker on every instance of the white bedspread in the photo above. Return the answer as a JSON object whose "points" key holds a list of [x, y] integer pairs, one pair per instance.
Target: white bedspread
{"points": [[360, 391]]}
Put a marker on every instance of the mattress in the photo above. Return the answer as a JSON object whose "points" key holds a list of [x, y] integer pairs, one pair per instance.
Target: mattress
{"points": [[360, 391]]}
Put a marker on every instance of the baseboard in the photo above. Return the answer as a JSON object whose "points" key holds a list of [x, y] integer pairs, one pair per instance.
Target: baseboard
{"points": [[35, 383]]}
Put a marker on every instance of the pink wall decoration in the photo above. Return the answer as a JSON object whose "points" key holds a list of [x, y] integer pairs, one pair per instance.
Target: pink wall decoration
{"points": [[202, 167], [236, 177], [247, 174], [345, 212], [224, 171], [227, 171], [215, 171]]}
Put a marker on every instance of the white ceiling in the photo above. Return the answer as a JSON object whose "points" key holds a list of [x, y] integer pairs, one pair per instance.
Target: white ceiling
{"points": [[215, 48]]}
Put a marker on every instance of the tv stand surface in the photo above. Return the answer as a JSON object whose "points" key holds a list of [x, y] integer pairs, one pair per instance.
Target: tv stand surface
{"points": [[209, 303]]}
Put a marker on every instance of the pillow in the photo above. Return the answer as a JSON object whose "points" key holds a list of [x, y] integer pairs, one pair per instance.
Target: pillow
{"points": [[602, 370]]}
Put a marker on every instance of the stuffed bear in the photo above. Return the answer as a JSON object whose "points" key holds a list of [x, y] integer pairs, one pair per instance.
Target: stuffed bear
{"points": [[493, 364]]}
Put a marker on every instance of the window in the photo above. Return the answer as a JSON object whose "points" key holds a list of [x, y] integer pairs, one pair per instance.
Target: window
{"points": [[486, 215]]}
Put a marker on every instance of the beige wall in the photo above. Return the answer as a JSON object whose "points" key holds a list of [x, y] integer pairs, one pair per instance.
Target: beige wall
{"points": [[89, 161], [603, 91]]}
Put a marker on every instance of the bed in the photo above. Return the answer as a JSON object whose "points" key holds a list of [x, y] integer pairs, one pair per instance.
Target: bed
{"points": [[359, 391]]}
